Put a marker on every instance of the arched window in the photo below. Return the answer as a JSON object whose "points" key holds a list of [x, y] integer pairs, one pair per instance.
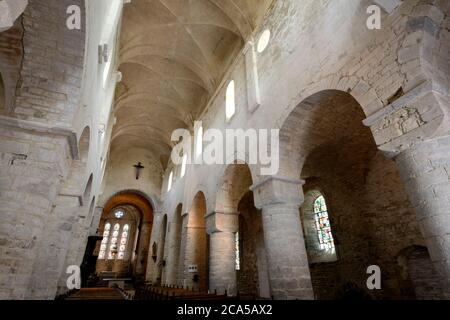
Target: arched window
{"points": [[323, 225], [123, 242], [115, 237], [263, 41], [230, 105], [169, 183], [183, 165], [113, 245]]}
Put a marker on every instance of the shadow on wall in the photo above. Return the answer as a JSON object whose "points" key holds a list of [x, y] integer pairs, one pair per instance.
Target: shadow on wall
{"points": [[2, 95], [422, 282]]}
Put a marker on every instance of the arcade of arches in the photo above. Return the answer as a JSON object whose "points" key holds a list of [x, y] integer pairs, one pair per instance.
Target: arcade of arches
{"points": [[363, 179]]}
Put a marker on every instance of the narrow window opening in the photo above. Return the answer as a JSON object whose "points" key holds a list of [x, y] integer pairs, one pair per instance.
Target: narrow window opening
{"points": [[323, 225], [263, 41], [230, 101], [169, 184]]}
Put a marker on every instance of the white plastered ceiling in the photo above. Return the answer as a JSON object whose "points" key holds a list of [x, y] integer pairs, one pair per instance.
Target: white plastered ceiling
{"points": [[173, 54]]}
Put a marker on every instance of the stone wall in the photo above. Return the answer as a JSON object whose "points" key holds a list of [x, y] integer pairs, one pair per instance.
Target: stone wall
{"points": [[52, 69], [371, 222], [36, 153], [32, 166], [252, 278], [423, 279], [11, 54], [315, 46]]}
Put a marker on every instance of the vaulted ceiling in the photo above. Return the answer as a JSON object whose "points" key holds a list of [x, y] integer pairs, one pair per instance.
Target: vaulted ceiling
{"points": [[173, 54]]}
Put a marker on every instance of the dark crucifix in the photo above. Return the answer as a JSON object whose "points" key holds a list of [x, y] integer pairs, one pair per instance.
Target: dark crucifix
{"points": [[138, 167]]}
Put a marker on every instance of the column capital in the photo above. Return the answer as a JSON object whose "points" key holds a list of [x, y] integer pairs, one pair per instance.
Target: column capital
{"points": [[415, 116], [44, 128], [222, 222], [274, 190]]}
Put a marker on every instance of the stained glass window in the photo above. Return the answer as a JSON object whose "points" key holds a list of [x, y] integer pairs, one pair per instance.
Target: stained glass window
{"points": [[323, 225], [113, 246], [238, 255], [105, 240], [123, 242], [119, 214], [114, 242]]}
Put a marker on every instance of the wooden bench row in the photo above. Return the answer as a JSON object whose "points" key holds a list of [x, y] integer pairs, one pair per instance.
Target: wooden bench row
{"points": [[150, 292]]}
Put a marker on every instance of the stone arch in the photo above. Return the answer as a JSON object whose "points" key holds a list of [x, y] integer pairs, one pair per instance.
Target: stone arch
{"points": [[151, 199], [197, 245], [145, 209], [301, 128], [421, 280], [349, 84], [325, 143], [84, 144], [237, 236], [235, 182], [192, 195], [131, 198]]}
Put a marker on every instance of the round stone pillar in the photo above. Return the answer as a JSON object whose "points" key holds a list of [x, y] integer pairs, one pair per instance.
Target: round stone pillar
{"points": [[414, 130], [222, 228], [222, 271], [143, 248], [280, 199], [425, 169]]}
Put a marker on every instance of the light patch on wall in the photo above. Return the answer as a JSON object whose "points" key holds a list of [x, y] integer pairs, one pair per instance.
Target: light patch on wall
{"points": [[169, 184], [199, 142], [263, 41], [2, 94], [108, 37], [183, 165], [230, 101]]}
